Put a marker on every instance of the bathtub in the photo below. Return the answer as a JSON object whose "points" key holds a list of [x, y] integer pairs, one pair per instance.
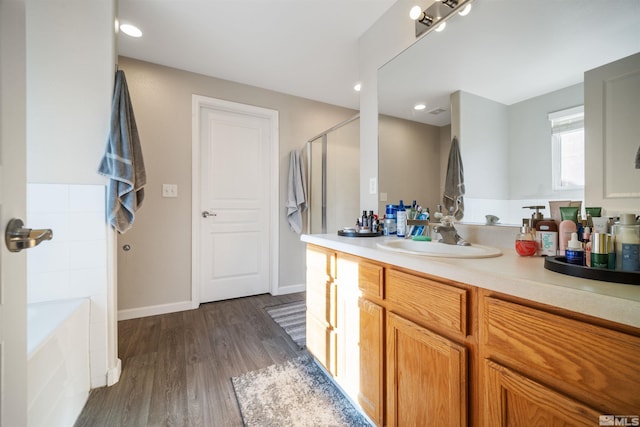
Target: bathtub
{"points": [[58, 377]]}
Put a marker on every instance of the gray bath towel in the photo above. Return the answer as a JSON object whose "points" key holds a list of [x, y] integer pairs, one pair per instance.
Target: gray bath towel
{"points": [[454, 183], [122, 161], [296, 192]]}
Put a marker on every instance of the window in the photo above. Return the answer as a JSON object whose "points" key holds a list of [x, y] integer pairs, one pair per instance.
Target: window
{"points": [[567, 144]]}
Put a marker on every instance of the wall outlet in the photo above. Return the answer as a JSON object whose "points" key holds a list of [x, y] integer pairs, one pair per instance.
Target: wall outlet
{"points": [[169, 190], [373, 185], [383, 197]]}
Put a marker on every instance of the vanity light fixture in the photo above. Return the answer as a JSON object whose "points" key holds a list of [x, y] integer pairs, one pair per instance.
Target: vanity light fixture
{"points": [[131, 30], [436, 15], [465, 10]]}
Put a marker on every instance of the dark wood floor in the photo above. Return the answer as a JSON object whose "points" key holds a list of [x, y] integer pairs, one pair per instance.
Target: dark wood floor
{"points": [[176, 368]]}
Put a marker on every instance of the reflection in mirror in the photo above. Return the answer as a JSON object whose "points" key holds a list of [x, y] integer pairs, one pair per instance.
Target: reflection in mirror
{"points": [[410, 161], [498, 73], [334, 178]]}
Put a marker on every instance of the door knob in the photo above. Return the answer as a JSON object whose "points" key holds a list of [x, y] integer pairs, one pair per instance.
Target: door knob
{"points": [[206, 214], [17, 237]]}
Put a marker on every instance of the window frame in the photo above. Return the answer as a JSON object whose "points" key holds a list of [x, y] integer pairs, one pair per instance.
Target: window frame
{"points": [[563, 122]]}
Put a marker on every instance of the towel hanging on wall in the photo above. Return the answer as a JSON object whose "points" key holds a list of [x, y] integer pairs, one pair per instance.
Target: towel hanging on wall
{"points": [[122, 161], [296, 192], [454, 183]]}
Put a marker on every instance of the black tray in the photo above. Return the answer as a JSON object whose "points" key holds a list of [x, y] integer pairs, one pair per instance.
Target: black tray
{"points": [[350, 233], [559, 264]]}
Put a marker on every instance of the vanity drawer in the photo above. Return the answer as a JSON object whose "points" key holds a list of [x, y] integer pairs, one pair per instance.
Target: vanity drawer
{"points": [[368, 276], [321, 264], [429, 302], [596, 364]]}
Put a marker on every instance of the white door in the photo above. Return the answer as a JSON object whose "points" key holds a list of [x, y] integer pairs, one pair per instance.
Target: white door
{"points": [[235, 204], [13, 275]]}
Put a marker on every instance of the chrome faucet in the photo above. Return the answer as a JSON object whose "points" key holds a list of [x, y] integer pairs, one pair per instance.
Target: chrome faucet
{"points": [[449, 233]]}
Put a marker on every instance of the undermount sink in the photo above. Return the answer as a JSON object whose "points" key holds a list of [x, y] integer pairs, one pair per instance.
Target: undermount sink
{"points": [[437, 249]]}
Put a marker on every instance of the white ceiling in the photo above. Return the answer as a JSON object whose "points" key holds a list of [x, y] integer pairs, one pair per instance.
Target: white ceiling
{"points": [[505, 50], [508, 51], [307, 48]]}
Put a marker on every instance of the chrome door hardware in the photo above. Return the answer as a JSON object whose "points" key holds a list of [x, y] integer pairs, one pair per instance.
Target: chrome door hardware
{"points": [[206, 214], [17, 237]]}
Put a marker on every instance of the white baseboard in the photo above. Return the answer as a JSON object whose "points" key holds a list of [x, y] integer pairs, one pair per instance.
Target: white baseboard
{"points": [[152, 310], [113, 374], [291, 289]]}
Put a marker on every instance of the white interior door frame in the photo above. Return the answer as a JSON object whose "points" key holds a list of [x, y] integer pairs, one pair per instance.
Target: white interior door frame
{"points": [[199, 102]]}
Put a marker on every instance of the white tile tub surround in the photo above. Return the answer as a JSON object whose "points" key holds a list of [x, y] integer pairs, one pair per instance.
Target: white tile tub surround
{"points": [[74, 263], [58, 361]]}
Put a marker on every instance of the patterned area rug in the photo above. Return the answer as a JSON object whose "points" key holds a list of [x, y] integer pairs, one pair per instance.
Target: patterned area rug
{"points": [[291, 318], [296, 393]]}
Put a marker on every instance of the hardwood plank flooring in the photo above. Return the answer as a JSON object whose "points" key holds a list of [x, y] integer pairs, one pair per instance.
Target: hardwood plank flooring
{"points": [[177, 367]]}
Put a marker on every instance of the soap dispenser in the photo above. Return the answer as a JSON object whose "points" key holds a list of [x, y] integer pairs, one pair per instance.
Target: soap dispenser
{"points": [[535, 216], [525, 242]]}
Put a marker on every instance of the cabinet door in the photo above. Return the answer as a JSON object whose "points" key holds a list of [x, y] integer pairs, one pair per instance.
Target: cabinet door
{"points": [[370, 395], [426, 377], [514, 400], [321, 307]]}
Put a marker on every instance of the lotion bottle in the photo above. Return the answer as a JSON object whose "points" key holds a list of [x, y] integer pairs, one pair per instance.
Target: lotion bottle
{"points": [[627, 243]]}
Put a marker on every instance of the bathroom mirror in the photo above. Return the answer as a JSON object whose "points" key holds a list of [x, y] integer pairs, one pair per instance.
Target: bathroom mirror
{"points": [[521, 58]]}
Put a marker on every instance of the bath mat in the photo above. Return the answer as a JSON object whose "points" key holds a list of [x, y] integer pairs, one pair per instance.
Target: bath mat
{"points": [[296, 393], [291, 318]]}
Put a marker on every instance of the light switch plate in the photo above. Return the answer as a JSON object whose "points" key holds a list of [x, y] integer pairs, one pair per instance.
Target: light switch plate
{"points": [[373, 185], [169, 190]]}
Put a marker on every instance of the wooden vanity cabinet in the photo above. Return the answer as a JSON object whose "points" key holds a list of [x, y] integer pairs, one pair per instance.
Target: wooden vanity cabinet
{"points": [[545, 367], [322, 307], [415, 350], [427, 362]]}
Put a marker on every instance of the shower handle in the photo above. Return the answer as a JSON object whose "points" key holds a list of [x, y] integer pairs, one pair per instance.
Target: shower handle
{"points": [[17, 237], [206, 214]]}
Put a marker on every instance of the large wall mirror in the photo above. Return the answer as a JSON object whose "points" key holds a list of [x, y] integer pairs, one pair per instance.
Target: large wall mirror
{"points": [[504, 68]]}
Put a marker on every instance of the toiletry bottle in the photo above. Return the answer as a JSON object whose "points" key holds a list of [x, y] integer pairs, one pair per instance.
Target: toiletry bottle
{"points": [[574, 251], [547, 237], [600, 250], [525, 243], [586, 245], [564, 234], [627, 243], [401, 226]]}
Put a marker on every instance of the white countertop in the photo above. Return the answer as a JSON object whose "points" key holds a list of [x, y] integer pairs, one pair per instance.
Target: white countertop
{"points": [[523, 277]]}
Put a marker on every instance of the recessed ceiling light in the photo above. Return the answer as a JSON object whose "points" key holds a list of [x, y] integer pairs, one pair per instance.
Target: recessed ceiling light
{"points": [[131, 30], [357, 87], [419, 107]]}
